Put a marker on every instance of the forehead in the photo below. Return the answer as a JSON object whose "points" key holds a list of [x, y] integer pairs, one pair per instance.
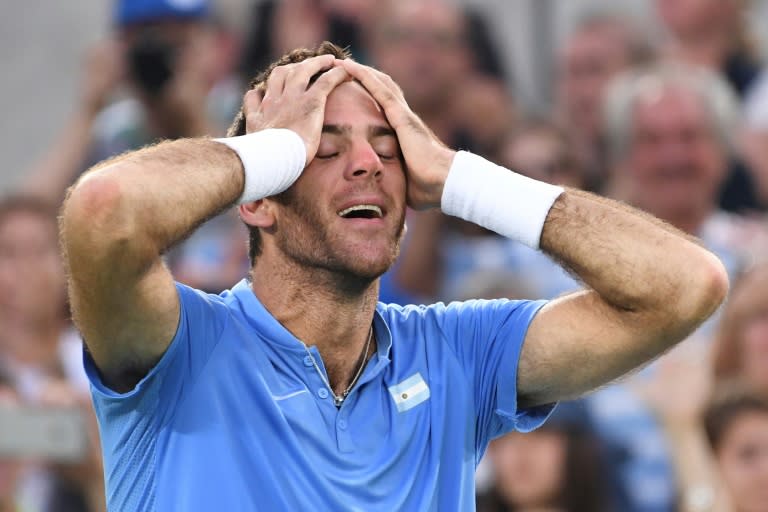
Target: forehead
{"points": [[350, 104], [426, 14], [670, 105]]}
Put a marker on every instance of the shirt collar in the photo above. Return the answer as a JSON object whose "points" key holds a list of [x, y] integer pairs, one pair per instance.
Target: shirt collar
{"points": [[273, 331]]}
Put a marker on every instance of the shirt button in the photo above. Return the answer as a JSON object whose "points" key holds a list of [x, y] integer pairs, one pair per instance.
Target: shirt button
{"points": [[342, 425], [308, 361], [322, 393]]}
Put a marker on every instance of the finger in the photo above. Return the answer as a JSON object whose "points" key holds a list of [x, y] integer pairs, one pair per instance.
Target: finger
{"points": [[251, 102], [276, 81], [298, 80], [383, 94], [329, 80], [251, 106]]}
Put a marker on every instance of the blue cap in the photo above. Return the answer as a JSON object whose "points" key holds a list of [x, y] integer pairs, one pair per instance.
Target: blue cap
{"points": [[130, 12]]}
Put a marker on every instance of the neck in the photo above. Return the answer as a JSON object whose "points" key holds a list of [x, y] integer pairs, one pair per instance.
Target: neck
{"points": [[328, 310]]}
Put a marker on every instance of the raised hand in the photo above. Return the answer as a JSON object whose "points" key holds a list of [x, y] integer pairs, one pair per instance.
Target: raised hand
{"points": [[289, 101], [103, 71], [427, 159]]}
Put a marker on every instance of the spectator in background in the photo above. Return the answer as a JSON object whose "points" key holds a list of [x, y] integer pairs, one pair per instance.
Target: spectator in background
{"points": [[445, 65], [40, 350], [174, 63], [718, 435], [282, 25], [736, 368], [741, 350], [35, 339], [670, 131], [713, 34], [426, 46], [441, 256], [177, 65], [556, 468], [599, 47], [736, 424]]}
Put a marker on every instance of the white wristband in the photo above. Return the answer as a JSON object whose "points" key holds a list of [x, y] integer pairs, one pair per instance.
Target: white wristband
{"points": [[498, 199], [272, 159]]}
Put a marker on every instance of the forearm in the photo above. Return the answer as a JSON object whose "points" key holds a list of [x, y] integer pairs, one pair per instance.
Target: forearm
{"points": [[138, 205], [697, 480], [636, 263]]}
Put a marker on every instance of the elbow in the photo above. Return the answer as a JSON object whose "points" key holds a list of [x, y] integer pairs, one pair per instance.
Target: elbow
{"points": [[708, 289], [95, 224]]}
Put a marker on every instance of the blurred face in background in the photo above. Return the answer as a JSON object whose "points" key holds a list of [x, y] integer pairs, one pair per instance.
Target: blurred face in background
{"points": [[588, 60], [675, 161], [529, 468], [421, 44], [742, 457], [31, 275], [542, 154], [742, 348]]}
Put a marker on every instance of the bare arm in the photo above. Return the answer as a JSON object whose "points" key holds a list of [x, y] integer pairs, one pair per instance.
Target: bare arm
{"points": [[117, 222], [122, 216], [650, 286]]}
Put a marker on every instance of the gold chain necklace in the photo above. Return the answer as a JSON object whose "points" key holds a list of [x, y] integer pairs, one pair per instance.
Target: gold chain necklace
{"points": [[339, 399]]}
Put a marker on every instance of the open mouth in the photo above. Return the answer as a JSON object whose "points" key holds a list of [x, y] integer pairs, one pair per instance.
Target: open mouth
{"points": [[361, 211]]}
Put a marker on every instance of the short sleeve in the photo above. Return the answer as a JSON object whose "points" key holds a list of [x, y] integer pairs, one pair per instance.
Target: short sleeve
{"points": [[487, 337], [202, 320]]}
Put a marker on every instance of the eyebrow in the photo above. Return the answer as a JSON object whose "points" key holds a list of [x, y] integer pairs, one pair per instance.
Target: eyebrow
{"points": [[373, 131]]}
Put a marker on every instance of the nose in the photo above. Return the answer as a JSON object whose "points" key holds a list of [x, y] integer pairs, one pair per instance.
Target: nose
{"points": [[364, 162]]}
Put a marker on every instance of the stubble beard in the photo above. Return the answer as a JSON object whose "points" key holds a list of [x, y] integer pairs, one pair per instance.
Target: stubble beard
{"points": [[305, 239]]}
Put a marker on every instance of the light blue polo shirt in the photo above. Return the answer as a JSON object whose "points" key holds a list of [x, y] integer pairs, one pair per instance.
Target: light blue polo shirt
{"points": [[235, 416]]}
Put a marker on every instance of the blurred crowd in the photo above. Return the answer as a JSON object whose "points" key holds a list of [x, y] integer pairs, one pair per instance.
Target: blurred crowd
{"points": [[674, 125]]}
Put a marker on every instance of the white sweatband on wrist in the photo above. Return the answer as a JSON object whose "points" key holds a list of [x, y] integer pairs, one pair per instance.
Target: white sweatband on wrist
{"points": [[498, 199], [272, 159]]}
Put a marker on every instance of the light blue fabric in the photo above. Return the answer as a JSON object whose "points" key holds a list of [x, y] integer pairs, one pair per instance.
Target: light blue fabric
{"points": [[235, 416]]}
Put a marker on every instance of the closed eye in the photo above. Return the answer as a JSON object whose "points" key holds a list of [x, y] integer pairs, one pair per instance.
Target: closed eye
{"points": [[326, 156]]}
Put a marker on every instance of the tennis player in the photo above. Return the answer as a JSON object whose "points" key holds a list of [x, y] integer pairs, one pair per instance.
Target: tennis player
{"points": [[296, 389]]}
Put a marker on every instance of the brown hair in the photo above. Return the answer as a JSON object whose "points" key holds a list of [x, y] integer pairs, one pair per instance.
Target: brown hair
{"points": [[729, 403], [259, 83], [583, 486], [749, 296]]}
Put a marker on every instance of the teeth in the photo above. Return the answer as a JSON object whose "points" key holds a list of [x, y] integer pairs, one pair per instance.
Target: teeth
{"points": [[361, 207]]}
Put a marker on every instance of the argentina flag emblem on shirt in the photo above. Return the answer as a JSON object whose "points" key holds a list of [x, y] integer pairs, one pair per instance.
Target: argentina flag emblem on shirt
{"points": [[410, 392]]}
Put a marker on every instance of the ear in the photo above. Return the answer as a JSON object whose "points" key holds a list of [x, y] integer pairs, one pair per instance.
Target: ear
{"points": [[259, 213]]}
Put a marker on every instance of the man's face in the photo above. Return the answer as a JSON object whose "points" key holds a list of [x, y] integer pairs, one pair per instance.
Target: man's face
{"points": [[530, 468], [586, 64], [31, 274], [358, 164], [675, 162]]}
